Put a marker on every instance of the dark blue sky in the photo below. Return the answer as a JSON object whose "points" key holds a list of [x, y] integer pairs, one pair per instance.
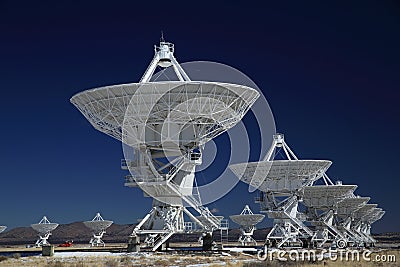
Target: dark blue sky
{"points": [[329, 71]]}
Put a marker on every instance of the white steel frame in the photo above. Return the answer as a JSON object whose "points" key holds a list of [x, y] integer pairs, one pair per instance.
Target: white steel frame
{"points": [[131, 112]]}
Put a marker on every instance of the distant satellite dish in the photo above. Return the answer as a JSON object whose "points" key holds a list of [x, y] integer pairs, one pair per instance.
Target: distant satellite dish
{"points": [[98, 225], [44, 228], [247, 221]]}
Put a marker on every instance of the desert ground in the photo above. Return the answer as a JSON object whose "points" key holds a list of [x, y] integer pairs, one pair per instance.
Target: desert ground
{"points": [[72, 257]]}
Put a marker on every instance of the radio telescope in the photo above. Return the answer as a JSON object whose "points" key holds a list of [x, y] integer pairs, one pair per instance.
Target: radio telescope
{"points": [[364, 210], [363, 218], [44, 229], [280, 183], [321, 202], [98, 225], [344, 216], [247, 221], [2, 228], [376, 215], [164, 127]]}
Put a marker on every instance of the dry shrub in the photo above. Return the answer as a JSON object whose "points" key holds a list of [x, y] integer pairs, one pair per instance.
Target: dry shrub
{"points": [[162, 262], [16, 256], [79, 264], [56, 264], [111, 263]]}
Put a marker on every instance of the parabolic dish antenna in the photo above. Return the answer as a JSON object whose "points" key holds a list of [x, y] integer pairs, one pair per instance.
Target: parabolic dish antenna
{"points": [[376, 217], [2, 228], [98, 225], [283, 176], [280, 181], [44, 228], [326, 196], [247, 221], [364, 210], [164, 122], [206, 104], [372, 214], [164, 126], [347, 206]]}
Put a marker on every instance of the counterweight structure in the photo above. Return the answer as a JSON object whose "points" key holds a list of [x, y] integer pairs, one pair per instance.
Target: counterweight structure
{"points": [[164, 127]]}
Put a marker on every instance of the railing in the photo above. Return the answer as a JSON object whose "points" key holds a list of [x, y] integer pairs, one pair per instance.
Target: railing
{"points": [[161, 239], [142, 179], [125, 164], [224, 224]]}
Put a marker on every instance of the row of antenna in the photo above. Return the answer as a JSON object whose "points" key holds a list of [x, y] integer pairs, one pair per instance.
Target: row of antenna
{"points": [[44, 229]]}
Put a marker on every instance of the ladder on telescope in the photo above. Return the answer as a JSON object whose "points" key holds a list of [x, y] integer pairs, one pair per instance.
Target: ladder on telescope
{"points": [[301, 226], [224, 231], [161, 239]]}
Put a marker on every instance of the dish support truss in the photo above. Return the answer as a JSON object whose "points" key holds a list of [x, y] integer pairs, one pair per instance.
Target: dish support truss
{"points": [[166, 219]]}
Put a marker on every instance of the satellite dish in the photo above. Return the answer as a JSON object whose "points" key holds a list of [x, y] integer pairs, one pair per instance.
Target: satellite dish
{"points": [[347, 206], [44, 229], [365, 210], [325, 197], [98, 225], [280, 181], [165, 125], [247, 221], [2, 228]]}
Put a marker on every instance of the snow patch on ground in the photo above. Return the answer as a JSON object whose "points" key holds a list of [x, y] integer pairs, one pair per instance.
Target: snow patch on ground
{"points": [[241, 249], [85, 254]]}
